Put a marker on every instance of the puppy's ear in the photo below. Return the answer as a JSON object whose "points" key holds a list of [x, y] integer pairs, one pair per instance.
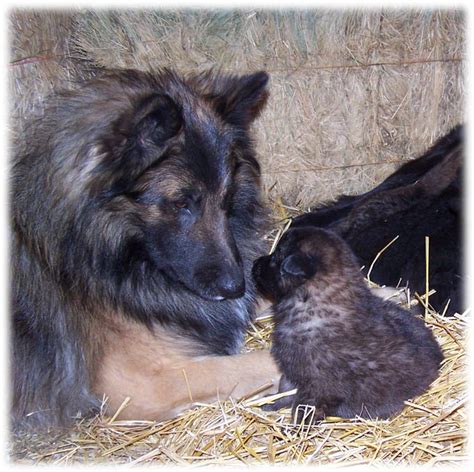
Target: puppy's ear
{"points": [[239, 100], [156, 120], [299, 265]]}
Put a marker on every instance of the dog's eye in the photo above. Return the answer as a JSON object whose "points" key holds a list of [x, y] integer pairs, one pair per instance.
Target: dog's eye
{"points": [[181, 204], [189, 202]]}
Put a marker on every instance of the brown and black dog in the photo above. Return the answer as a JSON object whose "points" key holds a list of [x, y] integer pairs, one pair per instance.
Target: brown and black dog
{"points": [[136, 211], [347, 351]]}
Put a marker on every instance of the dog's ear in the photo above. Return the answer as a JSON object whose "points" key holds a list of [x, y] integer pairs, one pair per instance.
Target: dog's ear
{"points": [[299, 265], [239, 100], [157, 119], [136, 141]]}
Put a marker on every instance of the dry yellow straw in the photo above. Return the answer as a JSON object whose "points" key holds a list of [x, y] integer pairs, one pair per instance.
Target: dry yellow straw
{"points": [[120, 409], [187, 386], [378, 255], [280, 234]]}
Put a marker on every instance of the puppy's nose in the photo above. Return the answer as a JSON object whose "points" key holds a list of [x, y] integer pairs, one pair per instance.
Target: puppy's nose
{"points": [[258, 266]]}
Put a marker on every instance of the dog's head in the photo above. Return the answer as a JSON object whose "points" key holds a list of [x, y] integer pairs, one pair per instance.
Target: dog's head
{"points": [[169, 161], [303, 254]]}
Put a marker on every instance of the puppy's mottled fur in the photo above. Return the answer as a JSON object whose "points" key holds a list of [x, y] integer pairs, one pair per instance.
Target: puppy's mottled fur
{"points": [[347, 351]]}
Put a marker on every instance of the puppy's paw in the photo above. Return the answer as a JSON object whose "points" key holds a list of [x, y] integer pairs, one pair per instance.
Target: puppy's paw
{"points": [[284, 402], [307, 414]]}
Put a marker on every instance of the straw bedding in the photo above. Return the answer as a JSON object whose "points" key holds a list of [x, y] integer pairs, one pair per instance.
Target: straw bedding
{"points": [[432, 428]]}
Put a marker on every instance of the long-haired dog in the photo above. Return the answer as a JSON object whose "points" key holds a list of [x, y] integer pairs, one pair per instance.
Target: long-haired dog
{"points": [[135, 207]]}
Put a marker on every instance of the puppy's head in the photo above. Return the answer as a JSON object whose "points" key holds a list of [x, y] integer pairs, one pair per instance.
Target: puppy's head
{"points": [[302, 254]]}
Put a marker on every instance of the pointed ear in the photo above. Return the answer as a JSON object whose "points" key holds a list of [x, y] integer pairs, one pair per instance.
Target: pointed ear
{"points": [[156, 120], [137, 140], [239, 100], [299, 265]]}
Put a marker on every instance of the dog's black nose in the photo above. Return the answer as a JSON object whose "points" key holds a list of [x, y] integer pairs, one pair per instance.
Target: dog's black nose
{"points": [[221, 282]]}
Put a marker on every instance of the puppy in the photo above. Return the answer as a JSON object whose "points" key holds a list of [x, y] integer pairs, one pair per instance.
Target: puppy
{"points": [[347, 351]]}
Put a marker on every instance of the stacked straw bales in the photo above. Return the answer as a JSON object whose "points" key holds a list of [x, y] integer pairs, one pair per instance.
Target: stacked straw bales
{"points": [[353, 92], [40, 61]]}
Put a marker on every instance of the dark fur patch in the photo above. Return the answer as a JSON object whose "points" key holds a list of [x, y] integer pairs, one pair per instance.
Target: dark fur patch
{"points": [[422, 198], [347, 351]]}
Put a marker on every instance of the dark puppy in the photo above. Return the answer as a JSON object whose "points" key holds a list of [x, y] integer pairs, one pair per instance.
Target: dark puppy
{"points": [[347, 351]]}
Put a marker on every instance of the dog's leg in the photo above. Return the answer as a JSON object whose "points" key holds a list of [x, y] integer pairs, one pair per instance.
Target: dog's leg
{"points": [[165, 392], [162, 378], [210, 378]]}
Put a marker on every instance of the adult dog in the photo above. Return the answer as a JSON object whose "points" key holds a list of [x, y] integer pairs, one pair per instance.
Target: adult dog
{"points": [[135, 205]]}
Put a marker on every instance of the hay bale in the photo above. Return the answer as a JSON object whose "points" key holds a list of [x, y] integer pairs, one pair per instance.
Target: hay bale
{"points": [[40, 60], [353, 93]]}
